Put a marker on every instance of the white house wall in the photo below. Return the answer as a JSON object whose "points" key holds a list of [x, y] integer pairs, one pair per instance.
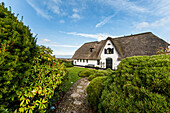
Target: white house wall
{"points": [[114, 56], [93, 62]]}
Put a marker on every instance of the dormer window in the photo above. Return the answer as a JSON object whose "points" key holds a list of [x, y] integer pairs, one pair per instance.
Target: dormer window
{"points": [[108, 43], [109, 51], [91, 49]]}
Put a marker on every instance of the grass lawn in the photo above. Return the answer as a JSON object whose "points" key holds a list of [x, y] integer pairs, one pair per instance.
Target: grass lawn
{"points": [[73, 76]]}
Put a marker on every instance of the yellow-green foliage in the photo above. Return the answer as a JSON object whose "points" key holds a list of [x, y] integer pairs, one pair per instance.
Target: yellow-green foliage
{"points": [[47, 75], [29, 75]]}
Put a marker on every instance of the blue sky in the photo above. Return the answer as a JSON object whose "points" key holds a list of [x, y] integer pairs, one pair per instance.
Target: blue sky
{"points": [[64, 25]]}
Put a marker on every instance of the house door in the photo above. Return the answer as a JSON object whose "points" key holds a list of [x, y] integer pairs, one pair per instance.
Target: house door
{"points": [[109, 63]]}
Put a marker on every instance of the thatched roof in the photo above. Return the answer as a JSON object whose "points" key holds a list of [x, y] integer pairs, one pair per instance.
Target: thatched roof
{"points": [[127, 46]]}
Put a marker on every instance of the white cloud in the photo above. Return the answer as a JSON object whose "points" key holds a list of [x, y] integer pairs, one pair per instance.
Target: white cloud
{"points": [[104, 21], [63, 53], [62, 21], [124, 5], [43, 7], [49, 43], [75, 16], [142, 25], [53, 5], [161, 23], [160, 7], [55, 45], [75, 10], [99, 36], [38, 10], [44, 40]]}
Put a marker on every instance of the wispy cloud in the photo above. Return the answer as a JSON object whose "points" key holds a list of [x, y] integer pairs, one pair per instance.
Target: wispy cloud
{"points": [[99, 36], [156, 24], [76, 16], [44, 40], [43, 7], [75, 10], [38, 10], [62, 21], [141, 25], [123, 5], [63, 53], [53, 5], [160, 7], [47, 42], [104, 21], [55, 45]]}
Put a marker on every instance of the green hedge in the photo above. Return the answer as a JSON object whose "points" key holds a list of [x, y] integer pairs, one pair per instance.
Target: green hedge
{"points": [[99, 73], [94, 91], [68, 63], [140, 84], [91, 77], [86, 73]]}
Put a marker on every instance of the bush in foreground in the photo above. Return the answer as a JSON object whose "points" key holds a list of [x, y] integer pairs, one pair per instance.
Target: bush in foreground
{"points": [[17, 51], [29, 75], [94, 91], [141, 84]]}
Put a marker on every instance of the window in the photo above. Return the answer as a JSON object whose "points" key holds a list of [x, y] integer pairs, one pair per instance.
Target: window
{"points": [[83, 60], [91, 49], [98, 62], [87, 61], [109, 51], [80, 60], [77, 60], [108, 43]]}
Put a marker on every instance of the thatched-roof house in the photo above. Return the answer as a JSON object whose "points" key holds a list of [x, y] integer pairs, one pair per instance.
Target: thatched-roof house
{"points": [[108, 53]]}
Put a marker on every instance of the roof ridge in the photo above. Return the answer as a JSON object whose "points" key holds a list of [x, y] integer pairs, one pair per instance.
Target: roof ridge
{"points": [[132, 35], [92, 42]]}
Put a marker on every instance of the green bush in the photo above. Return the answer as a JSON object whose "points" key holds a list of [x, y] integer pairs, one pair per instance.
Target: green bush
{"points": [[86, 73], [140, 84], [94, 91], [91, 77], [100, 73], [29, 75], [68, 63], [17, 51]]}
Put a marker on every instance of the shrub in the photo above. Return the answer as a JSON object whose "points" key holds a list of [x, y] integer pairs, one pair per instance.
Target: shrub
{"points": [[100, 73], [29, 75], [91, 77], [86, 73], [68, 63], [17, 51], [140, 84], [94, 91]]}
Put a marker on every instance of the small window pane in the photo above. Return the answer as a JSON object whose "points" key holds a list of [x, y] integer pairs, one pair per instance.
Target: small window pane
{"points": [[87, 61], [98, 62]]}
